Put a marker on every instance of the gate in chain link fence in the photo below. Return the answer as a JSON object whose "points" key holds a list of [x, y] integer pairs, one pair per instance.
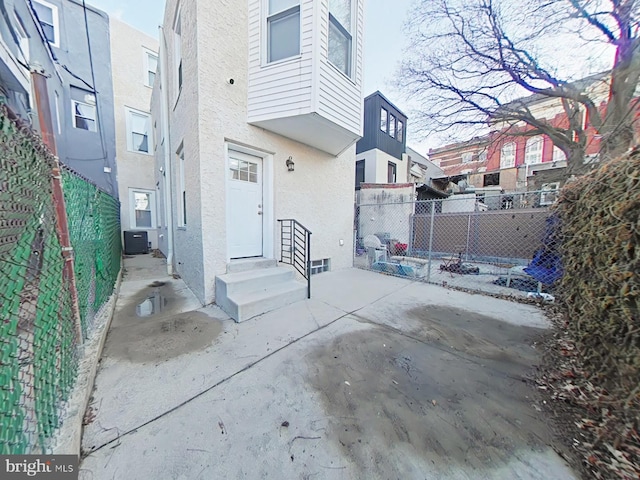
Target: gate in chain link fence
{"points": [[39, 334], [502, 244]]}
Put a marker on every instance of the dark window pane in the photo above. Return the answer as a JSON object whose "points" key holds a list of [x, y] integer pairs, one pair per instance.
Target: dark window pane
{"points": [[49, 32], [284, 36], [339, 49], [140, 142], [143, 218]]}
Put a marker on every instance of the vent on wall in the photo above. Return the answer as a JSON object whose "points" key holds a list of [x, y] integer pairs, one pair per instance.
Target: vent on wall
{"points": [[319, 266]]}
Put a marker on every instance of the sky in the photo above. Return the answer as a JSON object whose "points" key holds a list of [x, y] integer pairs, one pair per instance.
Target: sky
{"points": [[383, 43]]}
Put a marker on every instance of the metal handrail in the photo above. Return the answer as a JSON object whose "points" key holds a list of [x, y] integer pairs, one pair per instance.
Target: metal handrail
{"points": [[295, 237]]}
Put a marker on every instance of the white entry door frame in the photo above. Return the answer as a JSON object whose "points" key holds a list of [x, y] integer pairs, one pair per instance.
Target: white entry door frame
{"points": [[234, 223]]}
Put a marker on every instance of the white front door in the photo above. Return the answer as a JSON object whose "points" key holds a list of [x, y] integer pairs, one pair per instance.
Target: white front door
{"points": [[244, 205]]}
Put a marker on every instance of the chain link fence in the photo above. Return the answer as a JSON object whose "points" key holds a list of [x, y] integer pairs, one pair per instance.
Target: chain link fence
{"points": [[94, 229], [39, 337], [494, 243]]}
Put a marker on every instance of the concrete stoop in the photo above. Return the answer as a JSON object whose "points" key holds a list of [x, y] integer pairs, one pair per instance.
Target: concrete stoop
{"points": [[252, 287]]}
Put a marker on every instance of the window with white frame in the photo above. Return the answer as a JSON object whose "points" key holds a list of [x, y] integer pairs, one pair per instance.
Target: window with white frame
{"points": [[482, 156], [508, 155], [399, 130], [138, 126], [391, 172], [150, 67], [558, 155], [48, 19], [182, 191], [177, 51], [340, 38], [384, 120], [466, 157], [142, 205], [549, 193], [84, 116], [392, 125], [283, 29], [23, 39], [533, 150]]}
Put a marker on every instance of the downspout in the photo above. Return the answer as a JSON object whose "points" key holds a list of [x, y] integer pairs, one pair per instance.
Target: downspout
{"points": [[168, 198]]}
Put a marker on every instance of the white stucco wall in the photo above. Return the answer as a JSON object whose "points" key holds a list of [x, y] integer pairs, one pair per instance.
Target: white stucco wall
{"points": [[386, 211], [135, 170], [184, 130], [211, 114], [376, 163]]}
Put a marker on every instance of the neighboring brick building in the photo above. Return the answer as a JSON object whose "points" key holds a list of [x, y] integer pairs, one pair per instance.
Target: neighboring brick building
{"points": [[510, 157]]}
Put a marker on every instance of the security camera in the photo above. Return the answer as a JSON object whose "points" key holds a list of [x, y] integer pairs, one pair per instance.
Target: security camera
{"points": [[231, 81]]}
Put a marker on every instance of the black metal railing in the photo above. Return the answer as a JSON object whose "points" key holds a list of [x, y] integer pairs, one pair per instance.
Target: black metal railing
{"points": [[295, 248]]}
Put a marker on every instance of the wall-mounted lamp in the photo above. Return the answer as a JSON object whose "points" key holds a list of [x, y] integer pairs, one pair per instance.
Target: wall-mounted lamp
{"points": [[290, 164]]}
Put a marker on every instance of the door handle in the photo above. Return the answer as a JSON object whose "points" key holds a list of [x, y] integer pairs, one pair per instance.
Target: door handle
{"points": [[259, 213]]}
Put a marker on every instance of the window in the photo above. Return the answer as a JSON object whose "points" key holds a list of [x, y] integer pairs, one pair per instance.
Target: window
{"points": [[182, 192], [319, 266], [533, 150], [151, 65], [340, 39], [482, 156], [243, 171], [283, 29], [558, 155], [84, 116], [467, 157], [177, 54], [138, 126], [392, 125], [391, 172], [142, 206], [23, 39], [399, 130], [508, 155], [384, 120], [48, 18], [491, 179], [359, 173], [549, 193]]}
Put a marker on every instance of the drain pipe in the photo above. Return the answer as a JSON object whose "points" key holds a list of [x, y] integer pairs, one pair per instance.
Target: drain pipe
{"points": [[168, 203]]}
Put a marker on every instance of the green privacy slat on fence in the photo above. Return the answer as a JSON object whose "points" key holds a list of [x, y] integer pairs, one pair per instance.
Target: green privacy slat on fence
{"points": [[38, 354], [94, 228]]}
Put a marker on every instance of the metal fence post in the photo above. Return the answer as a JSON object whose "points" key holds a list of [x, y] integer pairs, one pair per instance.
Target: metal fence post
{"points": [[433, 214]]}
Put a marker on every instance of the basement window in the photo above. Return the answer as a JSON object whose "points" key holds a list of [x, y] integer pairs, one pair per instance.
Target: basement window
{"points": [[319, 266]]}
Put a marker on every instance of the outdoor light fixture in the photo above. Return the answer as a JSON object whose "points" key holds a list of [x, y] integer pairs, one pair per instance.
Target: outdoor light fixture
{"points": [[290, 164]]}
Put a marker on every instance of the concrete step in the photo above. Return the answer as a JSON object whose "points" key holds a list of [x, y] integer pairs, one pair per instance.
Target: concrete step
{"points": [[246, 264], [250, 280], [246, 294], [246, 305]]}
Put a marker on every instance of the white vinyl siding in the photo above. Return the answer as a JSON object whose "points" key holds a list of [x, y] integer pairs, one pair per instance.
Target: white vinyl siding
{"points": [[307, 83], [339, 97], [283, 88]]}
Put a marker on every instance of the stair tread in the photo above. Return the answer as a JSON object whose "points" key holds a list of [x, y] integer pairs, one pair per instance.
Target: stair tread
{"points": [[253, 274], [250, 296]]}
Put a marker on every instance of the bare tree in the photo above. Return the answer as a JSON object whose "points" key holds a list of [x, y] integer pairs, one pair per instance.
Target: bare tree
{"points": [[479, 61]]}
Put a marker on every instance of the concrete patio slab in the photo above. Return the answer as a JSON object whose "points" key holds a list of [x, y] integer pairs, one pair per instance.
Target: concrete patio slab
{"points": [[375, 377]]}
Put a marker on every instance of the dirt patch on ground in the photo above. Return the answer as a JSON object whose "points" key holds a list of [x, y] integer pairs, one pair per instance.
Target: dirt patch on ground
{"points": [[148, 329], [414, 394]]}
